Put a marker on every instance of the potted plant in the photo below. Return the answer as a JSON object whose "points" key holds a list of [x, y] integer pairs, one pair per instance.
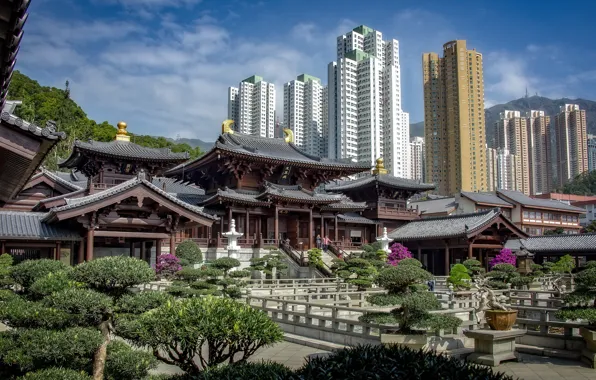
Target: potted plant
{"points": [[491, 307], [405, 285]]}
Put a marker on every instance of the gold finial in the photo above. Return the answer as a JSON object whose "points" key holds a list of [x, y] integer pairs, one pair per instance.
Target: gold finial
{"points": [[288, 135], [226, 127], [380, 167], [122, 134]]}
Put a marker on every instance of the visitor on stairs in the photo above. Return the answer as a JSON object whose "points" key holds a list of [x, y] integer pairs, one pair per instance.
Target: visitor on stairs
{"points": [[319, 241]]}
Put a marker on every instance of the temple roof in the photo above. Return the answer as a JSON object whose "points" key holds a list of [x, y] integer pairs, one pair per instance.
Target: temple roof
{"points": [[246, 197], [352, 217], [13, 15], [487, 198], [58, 179], [526, 201], [382, 179], [445, 226], [75, 177], [171, 186], [445, 205], [30, 225], [561, 244], [121, 150], [344, 204], [297, 193], [48, 132]]}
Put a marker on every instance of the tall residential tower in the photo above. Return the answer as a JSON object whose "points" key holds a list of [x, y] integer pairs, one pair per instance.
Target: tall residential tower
{"points": [[511, 134], [572, 148], [454, 126], [252, 107], [366, 120], [539, 151]]}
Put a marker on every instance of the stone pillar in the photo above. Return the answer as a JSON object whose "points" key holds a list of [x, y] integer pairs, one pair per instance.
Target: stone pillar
{"points": [[158, 247], [90, 242], [173, 243], [419, 254]]}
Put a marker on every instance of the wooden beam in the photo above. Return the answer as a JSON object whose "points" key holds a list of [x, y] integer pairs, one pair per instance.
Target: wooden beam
{"points": [[126, 234], [90, 241]]}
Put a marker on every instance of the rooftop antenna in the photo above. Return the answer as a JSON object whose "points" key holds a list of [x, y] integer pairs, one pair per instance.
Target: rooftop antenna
{"points": [[526, 92]]}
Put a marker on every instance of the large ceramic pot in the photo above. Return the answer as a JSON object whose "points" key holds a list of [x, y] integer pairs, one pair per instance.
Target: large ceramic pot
{"points": [[500, 320]]}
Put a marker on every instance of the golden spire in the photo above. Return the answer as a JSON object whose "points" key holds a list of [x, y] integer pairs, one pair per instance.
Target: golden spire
{"points": [[288, 135], [122, 135], [226, 127], [380, 167]]}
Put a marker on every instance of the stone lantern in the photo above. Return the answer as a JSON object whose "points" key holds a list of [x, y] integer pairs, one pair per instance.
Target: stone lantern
{"points": [[232, 236], [384, 240]]}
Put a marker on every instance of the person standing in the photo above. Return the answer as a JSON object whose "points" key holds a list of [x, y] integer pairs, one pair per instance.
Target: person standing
{"points": [[325, 243], [319, 241]]}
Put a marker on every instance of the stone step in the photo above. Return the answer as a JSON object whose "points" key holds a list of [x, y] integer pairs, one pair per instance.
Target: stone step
{"points": [[458, 353], [310, 342], [550, 352]]}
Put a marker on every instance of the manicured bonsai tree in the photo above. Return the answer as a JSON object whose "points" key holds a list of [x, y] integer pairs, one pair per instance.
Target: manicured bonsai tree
{"points": [[272, 264], [62, 319], [459, 277], [359, 272], [501, 275], [474, 267], [214, 330], [405, 285], [505, 256], [232, 281], [398, 253], [189, 253], [167, 265], [581, 303]]}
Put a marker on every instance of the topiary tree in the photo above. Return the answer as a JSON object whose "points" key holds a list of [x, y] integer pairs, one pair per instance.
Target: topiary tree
{"points": [[167, 265], [358, 272], [212, 330], [459, 277], [474, 267], [315, 258], [405, 285], [564, 265], [196, 282], [189, 253], [501, 275], [232, 281], [505, 256], [398, 253], [63, 319], [581, 303], [272, 264]]}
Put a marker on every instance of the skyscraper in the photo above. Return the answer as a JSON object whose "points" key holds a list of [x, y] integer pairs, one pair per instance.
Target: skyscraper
{"points": [[511, 134], [503, 170], [572, 148], [539, 151], [417, 158], [365, 116], [454, 119], [252, 107], [303, 113], [591, 152]]}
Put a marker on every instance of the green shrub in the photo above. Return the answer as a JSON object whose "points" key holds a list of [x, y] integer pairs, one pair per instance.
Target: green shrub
{"points": [[18, 312], [474, 267], [225, 264], [5, 265], [228, 331], [315, 258], [87, 306], [138, 303], [521, 281], [53, 282], [124, 363], [256, 371], [358, 272], [392, 362], [114, 274], [459, 277], [56, 374], [29, 271], [189, 253], [203, 285], [239, 274], [192, 274], [272, 262], [501, 275], [580, 304]]}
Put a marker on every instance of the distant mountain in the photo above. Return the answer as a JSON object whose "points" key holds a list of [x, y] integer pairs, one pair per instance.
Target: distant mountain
{"points": [[549, 106], [204, 145]]}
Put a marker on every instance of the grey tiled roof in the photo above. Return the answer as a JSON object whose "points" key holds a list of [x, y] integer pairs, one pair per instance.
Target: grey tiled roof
{"points": [[345, 204], [561, 243], [42, 203], [443, 227], [526, 201], [47, 132], [383, 179], [486, 198], [136, 181], [171, 186], [298, 193], [14, 16], [125, 149], [352, 217], [77, 178], [249, 197], [58, 179], [29, 226], [435, 206]]}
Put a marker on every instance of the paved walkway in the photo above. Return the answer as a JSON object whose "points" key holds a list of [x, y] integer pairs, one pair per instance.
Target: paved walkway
{"points": [[530, 368]]}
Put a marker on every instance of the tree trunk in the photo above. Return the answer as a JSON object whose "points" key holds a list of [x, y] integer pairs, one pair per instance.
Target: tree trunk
{"points": [[99, 359]]}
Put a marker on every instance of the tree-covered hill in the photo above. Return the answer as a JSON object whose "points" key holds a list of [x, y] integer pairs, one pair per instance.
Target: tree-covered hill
{"points": [[42, 103], [583, 184]]}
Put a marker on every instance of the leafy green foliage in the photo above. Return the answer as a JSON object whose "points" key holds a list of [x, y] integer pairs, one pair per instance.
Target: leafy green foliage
{"points": [[583, 184], [359, 272], [41, 104], [86, 306], [556, 231], [189, 253], [273, 261], [501, 275], [53, 282], [138, 303], [18, 312], [565, 264], [459, 277], [581, 303], [29, 271], [225, 264], [315, 258], [113, 274], [5, 265], [56, 373], [392, 362], [260, 371], [474, 267], [214, 329], [124, 363]]}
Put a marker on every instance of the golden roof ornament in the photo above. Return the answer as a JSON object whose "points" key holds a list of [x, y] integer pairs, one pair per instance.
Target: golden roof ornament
{"points": [[380, 167], [226, 127], [122, 134], [288, 135]]}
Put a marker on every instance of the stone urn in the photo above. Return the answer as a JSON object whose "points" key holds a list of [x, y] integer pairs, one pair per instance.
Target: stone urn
{"points": [[500, 320]]}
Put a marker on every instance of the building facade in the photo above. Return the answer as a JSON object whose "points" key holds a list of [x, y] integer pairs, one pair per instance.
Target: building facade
{"points": [[366, 120], [417, 167], [502, 170], [511, 136], [252, 107], [454, 124], [303, 113], [571, 139], [591, 152], [539, 151]]}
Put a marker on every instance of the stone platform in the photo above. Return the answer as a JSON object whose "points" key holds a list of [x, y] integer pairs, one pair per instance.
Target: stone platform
{"points": [[491, 347]]}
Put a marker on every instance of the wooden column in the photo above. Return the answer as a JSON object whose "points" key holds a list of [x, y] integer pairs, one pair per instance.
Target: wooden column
{"points": [[132, 249], [81, 256], [446, 259], [90, 242], [276, 226], [58, 247], [336, 230], [2, 248], [157, 247], [322, 227], [311, 227], [470, 256], [247, 225], [173, 243], [419, 254]]}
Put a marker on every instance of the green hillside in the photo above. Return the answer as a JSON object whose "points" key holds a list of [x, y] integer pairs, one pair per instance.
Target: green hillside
{"points": [[42, 103]]}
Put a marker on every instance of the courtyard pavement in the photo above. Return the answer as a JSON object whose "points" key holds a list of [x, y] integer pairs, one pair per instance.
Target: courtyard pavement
{"points": [[530, 368]]}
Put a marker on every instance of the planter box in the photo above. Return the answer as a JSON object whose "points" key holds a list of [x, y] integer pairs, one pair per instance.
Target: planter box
{"points": [[491, 347], [413, 341]]}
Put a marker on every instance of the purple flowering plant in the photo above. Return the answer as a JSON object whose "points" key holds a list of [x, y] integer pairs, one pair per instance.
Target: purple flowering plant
{"points": [[167, 265], [398, 253], [505, 256]]}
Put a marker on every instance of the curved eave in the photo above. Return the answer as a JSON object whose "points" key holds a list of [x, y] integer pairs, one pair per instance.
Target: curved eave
{"points": [[299, 200], [218, 199]]}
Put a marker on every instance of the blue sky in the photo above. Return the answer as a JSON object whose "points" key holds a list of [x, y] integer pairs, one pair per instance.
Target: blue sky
{"points": [[164, 66]]}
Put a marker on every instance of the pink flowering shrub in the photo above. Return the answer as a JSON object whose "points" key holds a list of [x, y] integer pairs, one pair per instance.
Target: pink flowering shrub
{"points": [[398, 253], [167, 265], [506, 256]]}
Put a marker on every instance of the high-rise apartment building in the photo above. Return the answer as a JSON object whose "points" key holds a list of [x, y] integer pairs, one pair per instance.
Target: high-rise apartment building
{"points": [[366, 120], [511, 134], [252, 107], [303, 113], [571, 139], [539, 151], [417, 158], [503, 170], [591, 152], [454, 125]]}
